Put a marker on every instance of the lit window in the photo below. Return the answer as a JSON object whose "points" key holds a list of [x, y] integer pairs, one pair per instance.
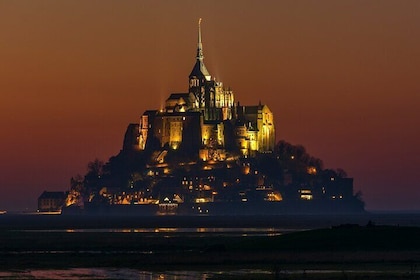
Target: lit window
{"points": [[306, 194]]}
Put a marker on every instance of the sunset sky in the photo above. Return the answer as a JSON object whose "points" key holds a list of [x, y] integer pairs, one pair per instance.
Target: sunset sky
{"points": [[341, 77]]}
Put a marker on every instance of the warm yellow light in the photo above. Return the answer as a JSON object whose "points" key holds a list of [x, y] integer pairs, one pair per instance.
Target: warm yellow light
{"points": [[202, 200], [306, 197], [274, 196], [306, 194], [311, 170]]}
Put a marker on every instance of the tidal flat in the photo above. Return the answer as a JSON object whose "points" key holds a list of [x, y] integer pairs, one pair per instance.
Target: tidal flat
{"points": [[350, 250]]}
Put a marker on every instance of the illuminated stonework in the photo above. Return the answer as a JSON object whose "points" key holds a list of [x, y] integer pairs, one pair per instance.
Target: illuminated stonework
{"points": [[206, 120], [306, 194]]}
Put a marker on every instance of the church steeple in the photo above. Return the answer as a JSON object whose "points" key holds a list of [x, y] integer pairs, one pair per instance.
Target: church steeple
{"points": [[200, 55], [200, 71]]}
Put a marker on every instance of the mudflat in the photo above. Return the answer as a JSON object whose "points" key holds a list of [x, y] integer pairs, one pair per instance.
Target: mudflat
{"points": [[379, 250]]}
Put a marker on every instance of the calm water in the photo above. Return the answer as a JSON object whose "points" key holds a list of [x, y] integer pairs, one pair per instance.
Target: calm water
{"points": [[102, 273], [188, 226], [208, 223], [110, 273], [184, 232], [126, 273]]}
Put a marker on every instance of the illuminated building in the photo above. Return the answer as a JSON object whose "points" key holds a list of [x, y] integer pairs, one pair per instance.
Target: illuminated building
{"points": [[205, 121], [51, 201], [205, 153]]}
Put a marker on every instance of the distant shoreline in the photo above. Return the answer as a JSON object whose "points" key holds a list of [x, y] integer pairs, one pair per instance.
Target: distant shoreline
{"points": [[349, 248], [29, 221]]}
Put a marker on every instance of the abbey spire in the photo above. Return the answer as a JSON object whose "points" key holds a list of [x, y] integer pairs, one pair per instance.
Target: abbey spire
{"points": [[200, 55], [199, 70]]}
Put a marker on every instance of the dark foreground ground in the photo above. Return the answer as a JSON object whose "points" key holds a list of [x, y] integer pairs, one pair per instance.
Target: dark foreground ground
{"points": [[347, 251]]}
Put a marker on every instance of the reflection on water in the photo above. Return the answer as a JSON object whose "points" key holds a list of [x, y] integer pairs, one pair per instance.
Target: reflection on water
{"points": [[201, 230], [125, 273]]}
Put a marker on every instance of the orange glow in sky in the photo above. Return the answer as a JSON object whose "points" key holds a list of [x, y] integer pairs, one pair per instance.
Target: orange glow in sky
{"points": [[341, 77]]}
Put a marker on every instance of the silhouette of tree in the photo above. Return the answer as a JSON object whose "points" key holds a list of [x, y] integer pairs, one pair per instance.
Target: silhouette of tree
{"points": [[95, 167], [93, 176]]}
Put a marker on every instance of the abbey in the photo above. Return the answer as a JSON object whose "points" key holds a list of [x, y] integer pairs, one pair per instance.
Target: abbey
{"points": [[206, 120], [204, 153]]}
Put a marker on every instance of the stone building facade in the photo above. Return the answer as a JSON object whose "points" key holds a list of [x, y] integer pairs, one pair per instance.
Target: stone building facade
{"points": [[206, 120]]}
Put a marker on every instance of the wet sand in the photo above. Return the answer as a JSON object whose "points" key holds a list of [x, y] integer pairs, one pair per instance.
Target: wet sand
{"points": [[351, 249], [37, 221]]}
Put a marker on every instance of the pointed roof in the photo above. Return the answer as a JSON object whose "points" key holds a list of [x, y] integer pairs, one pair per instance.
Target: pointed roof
{"points": [[52, 195], [200, 54], [188, 98], [199, 69]]}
